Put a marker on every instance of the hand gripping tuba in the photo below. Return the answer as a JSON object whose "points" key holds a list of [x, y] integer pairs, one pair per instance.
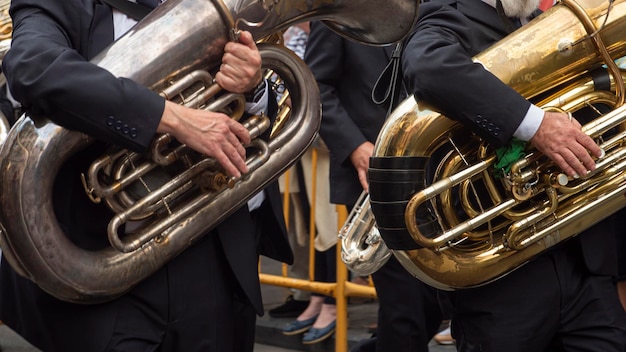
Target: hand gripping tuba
{"points": [[192, 36], [449, 217]]}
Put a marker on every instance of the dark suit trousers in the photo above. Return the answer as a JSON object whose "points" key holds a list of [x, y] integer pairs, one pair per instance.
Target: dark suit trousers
{"points": [[550, 304], [409, 314], [192, 304]]}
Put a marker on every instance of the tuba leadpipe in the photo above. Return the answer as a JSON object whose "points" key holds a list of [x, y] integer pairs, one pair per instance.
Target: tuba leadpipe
{"points": [[192, 35], [473, 224]]}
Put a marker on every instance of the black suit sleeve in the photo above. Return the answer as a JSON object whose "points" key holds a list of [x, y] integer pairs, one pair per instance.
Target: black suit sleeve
{"points": [[438, 68], [325, 56], [48, 72]]}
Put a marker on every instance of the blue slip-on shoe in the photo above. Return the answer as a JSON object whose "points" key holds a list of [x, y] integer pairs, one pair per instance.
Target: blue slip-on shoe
{"points": [[298, 326], [315, 335]]}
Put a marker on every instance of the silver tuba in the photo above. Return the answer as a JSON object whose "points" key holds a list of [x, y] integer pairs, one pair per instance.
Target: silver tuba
{"points": [[451, 218], [362, 248], [193, 34]]}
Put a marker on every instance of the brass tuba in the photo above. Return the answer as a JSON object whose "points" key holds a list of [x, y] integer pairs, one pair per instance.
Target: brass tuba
{"points": [[450, 217], [192, 34]]}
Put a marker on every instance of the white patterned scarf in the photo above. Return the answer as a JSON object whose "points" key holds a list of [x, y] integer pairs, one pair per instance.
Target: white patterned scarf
{"points": [[517, 8]]}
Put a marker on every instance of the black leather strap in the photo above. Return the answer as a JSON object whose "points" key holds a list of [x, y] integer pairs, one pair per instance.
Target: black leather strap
{"points": [[508, 24], [133, 10], [386, 90]]}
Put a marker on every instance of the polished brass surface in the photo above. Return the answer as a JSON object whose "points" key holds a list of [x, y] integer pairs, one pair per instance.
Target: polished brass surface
{"points": [[507, 221], [163, 213]]}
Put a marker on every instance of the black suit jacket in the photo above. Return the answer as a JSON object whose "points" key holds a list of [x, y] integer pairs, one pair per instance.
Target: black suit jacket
{"points": [[437, 68], [345, 72], [48, 72]]}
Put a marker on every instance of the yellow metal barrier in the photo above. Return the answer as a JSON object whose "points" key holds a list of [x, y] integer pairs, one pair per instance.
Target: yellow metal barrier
{"points": [[342, 288]]}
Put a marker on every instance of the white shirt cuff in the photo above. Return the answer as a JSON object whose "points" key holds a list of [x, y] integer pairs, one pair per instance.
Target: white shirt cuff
{"points": [[256, 109], [530, 124], [260, 106], [256, 201]]}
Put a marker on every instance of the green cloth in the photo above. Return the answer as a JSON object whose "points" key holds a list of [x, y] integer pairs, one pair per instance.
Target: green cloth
{"points": [[507, 155]]}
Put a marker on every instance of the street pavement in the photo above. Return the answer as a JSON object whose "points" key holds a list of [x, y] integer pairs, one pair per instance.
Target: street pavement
{"points": [[269, 348], [268, 330]]}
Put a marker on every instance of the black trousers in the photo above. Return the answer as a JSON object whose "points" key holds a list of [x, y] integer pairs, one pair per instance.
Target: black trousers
{"points": [[550, 304], [409, 314], [326, 270], [192, 304]]}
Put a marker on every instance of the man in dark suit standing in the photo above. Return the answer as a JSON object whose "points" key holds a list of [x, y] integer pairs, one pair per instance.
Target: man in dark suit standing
{"points": [[563, 300], [207, 298], [346, 72]]}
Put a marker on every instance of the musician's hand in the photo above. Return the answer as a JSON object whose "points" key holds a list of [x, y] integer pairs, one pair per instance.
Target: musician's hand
{"points": [[210, 133], [360, 158], [241, 65], [563, 142]]}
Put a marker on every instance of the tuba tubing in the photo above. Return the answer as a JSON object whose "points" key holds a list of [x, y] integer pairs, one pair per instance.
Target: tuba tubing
{"points": [[43, 253], [191, 35], [453, 253]]}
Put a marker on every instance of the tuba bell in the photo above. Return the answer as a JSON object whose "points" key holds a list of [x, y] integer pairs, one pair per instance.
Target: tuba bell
{"points": [[362, 248], [456, 221], [188, 204]]}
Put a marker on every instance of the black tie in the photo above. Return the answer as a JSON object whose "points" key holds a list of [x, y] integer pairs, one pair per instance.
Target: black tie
{"points": [[150, 3], [511, 24]]}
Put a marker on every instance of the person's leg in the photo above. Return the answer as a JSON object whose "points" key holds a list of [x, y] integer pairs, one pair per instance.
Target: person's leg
{"points": [[209, 313], [517, 313], [298, 236], [328, 313], [305, 320], [324, 325], [592, 317], [53, 325], [323, 267], [620, 245], [409, 314], [593, 320], [299, 240]]}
